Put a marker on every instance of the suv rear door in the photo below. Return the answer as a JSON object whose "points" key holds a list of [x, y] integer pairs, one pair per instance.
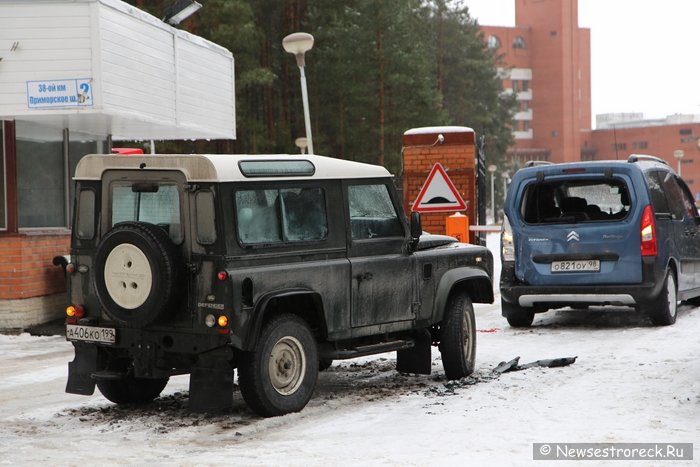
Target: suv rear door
{"points": [[577, 228]]}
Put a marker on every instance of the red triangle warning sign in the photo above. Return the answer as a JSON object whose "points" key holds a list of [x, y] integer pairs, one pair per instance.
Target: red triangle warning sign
{"points": [[438, 194]]}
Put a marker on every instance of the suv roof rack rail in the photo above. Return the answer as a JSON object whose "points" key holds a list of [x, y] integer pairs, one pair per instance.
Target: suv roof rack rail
{"points": [[536, 163], [645, 157]]}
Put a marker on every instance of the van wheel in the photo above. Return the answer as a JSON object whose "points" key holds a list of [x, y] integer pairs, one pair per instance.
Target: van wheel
{"points": [[458, 337], [517, 316], [137, 272], [664, 308], [279, 375]]}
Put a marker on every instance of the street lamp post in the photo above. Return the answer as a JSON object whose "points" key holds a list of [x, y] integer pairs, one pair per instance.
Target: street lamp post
{"points": [[180, 10], [301, 143], [298, 44], [506, 180], [678, 154], [492, 169]]}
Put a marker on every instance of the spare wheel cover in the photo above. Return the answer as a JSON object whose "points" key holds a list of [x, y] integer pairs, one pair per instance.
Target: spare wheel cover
{"points": [[128, 276]]}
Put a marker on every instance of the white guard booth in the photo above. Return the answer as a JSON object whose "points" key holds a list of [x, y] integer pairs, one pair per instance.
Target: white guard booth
{"points": [[75, 75], [112, 69]]}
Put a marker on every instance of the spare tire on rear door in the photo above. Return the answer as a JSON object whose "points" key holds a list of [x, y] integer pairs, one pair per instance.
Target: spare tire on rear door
{"points": [[137, 272]]}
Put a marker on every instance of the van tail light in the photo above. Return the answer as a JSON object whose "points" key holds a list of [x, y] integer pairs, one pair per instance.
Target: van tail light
{"points": [[647, 230], [507, 244]]}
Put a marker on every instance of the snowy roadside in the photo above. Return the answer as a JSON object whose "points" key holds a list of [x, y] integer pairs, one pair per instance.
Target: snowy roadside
{"points": [[631, 383]]}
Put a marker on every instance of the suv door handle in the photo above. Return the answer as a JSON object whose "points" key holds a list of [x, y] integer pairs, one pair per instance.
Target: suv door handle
{"points": [[364, 276]]}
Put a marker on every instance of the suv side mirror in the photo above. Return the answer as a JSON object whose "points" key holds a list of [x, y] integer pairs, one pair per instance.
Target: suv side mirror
{"points": [[416, 229]]}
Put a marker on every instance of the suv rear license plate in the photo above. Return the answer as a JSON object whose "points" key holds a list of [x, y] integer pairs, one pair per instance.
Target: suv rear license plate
{"points": [[75, 332], [587, 265]]}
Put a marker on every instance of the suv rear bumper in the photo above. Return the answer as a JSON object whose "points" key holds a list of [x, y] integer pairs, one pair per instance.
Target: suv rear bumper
{"points": [[526, 295]]}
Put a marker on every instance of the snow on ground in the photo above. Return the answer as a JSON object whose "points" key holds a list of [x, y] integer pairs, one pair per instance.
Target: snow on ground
{"points": [[632, 382]]}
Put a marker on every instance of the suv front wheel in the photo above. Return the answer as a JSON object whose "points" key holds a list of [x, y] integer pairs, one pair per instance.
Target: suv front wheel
{"points": [[458, 337], [279, 375]]}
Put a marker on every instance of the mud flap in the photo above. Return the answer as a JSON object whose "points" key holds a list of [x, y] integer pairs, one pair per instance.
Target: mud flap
{"points": [[418, 358], [81, 368], [211, 383]]}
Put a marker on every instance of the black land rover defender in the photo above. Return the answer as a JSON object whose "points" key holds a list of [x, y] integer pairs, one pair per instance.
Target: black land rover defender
{"points": [[271, 265]]}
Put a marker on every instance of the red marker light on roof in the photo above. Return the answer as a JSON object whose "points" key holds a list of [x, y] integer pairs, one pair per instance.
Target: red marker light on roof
{"points": [[127, 151], [222, 275]]}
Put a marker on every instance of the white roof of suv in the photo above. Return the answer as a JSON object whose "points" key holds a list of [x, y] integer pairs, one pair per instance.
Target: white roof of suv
{"points": [[230, 167]]}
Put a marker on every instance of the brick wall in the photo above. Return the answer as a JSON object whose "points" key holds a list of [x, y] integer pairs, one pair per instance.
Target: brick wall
{"points": [[457, 156], [19, 315], [26, 267]]}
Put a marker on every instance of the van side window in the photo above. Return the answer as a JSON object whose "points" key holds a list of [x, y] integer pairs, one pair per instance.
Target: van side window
{"points": [[656, 190], [681, 206], [281, 215], [372, 214]]}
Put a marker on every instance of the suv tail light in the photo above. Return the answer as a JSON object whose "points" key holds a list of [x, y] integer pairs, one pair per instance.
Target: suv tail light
{"points": [[647, 230], [507, 245]]}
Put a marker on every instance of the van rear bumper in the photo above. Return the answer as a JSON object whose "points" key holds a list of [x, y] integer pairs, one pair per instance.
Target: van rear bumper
{"points": [[526, 295]]}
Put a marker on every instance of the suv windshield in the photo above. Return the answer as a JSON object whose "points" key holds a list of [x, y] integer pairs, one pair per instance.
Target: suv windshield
{"points": [[154, 203], [575, 201]]}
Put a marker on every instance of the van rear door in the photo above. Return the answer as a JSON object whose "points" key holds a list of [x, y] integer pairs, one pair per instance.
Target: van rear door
{"points": [[578, 228]]}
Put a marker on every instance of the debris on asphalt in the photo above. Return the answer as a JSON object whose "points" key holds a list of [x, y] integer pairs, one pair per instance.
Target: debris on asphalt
{"points": [[513, 365]]}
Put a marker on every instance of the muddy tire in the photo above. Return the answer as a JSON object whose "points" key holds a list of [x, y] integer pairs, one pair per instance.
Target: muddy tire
{"points": [[324, 363], [664, 308], [458, 337], [517, 316], [137, 272], [279, 375], [131, 390]]}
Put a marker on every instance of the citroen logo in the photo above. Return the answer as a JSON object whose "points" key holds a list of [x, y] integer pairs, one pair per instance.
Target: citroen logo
{"points": [[573, 236]]}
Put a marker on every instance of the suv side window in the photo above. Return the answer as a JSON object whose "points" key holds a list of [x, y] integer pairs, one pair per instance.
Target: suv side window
{"points": [[86, 215], [372, 214], [267, 216]]}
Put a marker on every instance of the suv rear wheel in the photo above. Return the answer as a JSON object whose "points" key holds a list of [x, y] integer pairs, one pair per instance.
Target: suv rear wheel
{"points": [[458, 337], [279, 376], [664, 308], [130, 389]]}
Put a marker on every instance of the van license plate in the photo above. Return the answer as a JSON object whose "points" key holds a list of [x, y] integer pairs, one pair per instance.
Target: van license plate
{"points": [[76, 332], [587, 265]]}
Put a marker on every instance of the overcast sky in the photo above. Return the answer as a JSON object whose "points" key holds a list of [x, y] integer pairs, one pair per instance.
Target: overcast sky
{"points": [[645, 54]]}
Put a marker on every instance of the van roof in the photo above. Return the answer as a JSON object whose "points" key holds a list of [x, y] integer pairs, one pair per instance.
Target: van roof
{"points": [[227, 167]]}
